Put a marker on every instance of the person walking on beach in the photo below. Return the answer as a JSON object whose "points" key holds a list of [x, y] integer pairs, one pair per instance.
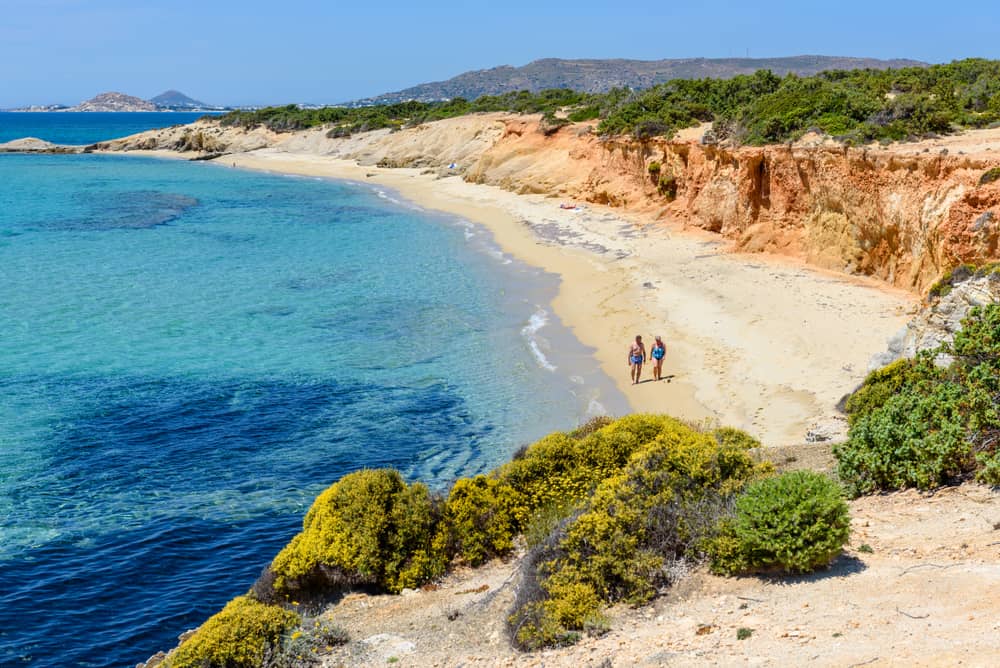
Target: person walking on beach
{"points": [[636, 358], [658, 352]]}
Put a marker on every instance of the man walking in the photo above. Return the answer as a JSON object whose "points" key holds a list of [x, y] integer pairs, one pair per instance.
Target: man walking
{"points": [[636, 358]]}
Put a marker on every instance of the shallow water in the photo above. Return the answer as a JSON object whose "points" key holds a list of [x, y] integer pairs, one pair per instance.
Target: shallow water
{"points": [[81, 128], [191, 353]]}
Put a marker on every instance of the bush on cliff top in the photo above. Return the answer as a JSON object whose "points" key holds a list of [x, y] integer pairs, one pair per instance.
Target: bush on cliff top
{"points": [[614, 504], [547, 480], [915, 424], [796, 523], [368, 529], [857, 106], [621, 543], [239, 636]]}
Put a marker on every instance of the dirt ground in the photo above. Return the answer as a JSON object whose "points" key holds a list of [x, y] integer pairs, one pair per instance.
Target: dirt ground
{"points": [[918, 586]]}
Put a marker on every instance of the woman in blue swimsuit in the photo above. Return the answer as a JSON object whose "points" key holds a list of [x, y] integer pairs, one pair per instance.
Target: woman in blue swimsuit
{"points": [[658, 352]]}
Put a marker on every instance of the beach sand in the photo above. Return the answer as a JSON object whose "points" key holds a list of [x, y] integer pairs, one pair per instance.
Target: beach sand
{"points": [[761, 343]]}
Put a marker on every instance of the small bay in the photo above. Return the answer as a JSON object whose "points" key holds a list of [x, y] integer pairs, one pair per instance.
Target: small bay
{"points": [[190, 353]]}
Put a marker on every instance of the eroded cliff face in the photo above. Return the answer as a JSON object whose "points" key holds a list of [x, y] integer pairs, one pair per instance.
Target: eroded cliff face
{"points": [[902, 218], [902, 214]]}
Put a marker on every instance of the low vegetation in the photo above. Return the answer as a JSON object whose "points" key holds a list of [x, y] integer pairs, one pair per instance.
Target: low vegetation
{"points": [[856, 106], [624, 542], [793, 523], [989, 176], [369, 529], [612, 511], [931, 420], [240, 636]]}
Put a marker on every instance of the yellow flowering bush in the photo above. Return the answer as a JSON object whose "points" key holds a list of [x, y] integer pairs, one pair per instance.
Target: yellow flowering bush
{"points": [[236, 637], [369, 528]]}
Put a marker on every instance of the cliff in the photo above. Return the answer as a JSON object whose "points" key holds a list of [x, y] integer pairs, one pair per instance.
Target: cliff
{"points": [[903, 214]]}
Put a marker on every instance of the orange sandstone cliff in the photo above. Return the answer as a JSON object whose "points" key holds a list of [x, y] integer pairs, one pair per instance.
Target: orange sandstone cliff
{"points": [[902, 217]]}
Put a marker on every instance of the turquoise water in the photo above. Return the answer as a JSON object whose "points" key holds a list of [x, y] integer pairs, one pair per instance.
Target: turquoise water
{"points": [[67, 127], [190, 353]]}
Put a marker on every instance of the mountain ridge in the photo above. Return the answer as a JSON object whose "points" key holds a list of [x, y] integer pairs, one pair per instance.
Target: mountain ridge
{"points": [[600, 75]]}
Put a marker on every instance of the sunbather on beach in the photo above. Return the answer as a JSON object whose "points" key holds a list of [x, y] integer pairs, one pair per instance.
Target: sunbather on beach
{"points": [[636, 358]]}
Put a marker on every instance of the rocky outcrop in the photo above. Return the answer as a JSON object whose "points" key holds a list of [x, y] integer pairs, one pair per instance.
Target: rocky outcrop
{"points": [[35, 145], [938, 322], [198, 139]]}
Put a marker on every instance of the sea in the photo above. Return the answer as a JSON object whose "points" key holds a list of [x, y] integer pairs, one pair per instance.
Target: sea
{"points": [[190, 353]]}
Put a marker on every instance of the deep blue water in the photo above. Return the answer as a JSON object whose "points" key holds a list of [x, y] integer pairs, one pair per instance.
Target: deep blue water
{"points": [[190, 353], [77, 128]]}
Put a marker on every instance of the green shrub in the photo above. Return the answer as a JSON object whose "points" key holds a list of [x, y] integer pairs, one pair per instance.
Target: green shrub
{"points": [[915, 439], [550, 123], [369, 528], [878, 386], [582, 114], [796, 522], [989, 176], [920, 425], [667, 186], [654, 169], [955, 275], [237, 637]]}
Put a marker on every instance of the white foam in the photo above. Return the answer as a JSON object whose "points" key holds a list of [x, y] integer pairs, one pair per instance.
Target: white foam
{"points": [[595, 408], [538, 320]]}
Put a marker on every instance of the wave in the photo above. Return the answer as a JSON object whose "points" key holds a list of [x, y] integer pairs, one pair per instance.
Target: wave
{"points": [[538, 320]]}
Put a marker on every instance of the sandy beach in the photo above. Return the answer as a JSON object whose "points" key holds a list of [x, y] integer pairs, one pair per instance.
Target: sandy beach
{"points": [[762, 343]]}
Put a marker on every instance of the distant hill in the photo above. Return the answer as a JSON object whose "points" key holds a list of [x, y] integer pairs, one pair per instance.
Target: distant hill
{"points": [[598, 76], [171, 100], [174, 99], [114, 102]]}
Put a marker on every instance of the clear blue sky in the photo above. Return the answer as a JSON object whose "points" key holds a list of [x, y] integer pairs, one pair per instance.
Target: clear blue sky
{"points": [[278, 51]]}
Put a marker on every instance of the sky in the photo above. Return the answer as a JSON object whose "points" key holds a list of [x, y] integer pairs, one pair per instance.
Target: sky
{"points": [[312, 51]]}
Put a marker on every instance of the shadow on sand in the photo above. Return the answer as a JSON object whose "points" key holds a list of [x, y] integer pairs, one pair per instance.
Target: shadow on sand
{"points": [[842, 567]]}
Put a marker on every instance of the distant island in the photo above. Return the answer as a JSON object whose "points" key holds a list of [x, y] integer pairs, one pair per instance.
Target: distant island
{"points": [[600, 76], [171, 100]]}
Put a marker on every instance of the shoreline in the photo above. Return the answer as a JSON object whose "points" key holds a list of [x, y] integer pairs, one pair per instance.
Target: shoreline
{"points": [[573, 266], [759, 342]]}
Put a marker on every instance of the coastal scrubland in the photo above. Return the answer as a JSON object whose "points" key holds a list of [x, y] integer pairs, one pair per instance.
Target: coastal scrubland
{"points": [[607, 513], [617, 511], [854, 106]]}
